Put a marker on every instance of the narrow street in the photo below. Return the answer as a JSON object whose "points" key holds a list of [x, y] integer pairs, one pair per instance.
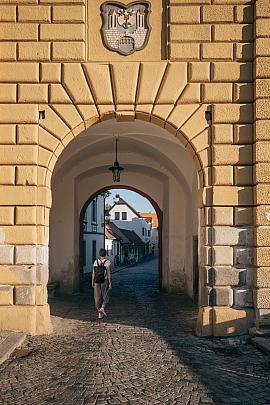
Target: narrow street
{"points": [[144, 352]]}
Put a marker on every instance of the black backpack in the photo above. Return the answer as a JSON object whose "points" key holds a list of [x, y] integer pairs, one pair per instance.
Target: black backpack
{"points": [[100, 271]]}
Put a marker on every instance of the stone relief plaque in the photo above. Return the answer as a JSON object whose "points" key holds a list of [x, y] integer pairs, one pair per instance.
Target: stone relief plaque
{"points": [[125, 28]]}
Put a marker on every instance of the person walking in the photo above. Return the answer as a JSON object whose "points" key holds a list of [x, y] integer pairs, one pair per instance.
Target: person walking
{"points": [[101, 282]]}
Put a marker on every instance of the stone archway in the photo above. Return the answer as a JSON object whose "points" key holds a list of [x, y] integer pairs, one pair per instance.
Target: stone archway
{"points": [[158, 212], [83, 168]]}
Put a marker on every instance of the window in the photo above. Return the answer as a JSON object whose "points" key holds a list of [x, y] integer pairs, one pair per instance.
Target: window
{"points": [[148, 233], [143, 231], [94, 210], [124, 216], [94, 250], [117, 216]]}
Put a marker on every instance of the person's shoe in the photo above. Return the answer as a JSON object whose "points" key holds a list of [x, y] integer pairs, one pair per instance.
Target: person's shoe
{"points": [[102, 310], [100, 314]]}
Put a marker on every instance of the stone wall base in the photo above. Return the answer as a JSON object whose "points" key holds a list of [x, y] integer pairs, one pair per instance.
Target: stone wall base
{"points": [[224, 321], [34, 320]]}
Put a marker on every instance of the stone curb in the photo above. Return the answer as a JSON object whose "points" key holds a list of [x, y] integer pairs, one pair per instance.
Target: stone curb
{"points": [[262, 344], [9, 341]]}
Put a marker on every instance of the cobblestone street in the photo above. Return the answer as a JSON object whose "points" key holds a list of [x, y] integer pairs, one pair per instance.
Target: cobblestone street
{"points": [[145, 352]]}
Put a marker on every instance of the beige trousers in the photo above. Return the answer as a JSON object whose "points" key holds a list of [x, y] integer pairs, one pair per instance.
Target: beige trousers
{"points": [[101, 294]]}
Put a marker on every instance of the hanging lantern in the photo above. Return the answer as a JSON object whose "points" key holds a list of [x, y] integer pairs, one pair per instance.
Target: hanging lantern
{"points": [[116, 169]]}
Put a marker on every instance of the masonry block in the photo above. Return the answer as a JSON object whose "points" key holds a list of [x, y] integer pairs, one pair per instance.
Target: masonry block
{"points": [[222, 216], [232, 113], [74, 14], [229, 321], [218, 13], [262, 109], [62, 32], [262, 194], [41, 295], [243, 175], [188, 14], [7, 13], [20, 235], [69, 51], [25, 295], [33, 93], [42, 274], [7, 175], [262, 46], [222, 255], [222, 133], [244, 256], [25, 254], [262, 130], [50, 73], [243, 216], [199, 71], [34, 13], [27, 134], [262, 277], [262, 298], [244, 14], [262, 215], [8, 51], [232, 154], [186, 51], [217, 92], [183, 33], [262, 8], [18, 114], [244, 52], [262, 67], [223, 276], [19, 72], [34, 51], [242, 93], [217, 51], [222, 175], [6, 295], [18, 31], [6, 215], [25, 215], [262, 27], [6, 254], [204, 325], [8, 93], [42, 255], [223, 296], [243, 134], [230, 196], [233, 32], [227, 235], [18, 275], [243, 297], [26, 175], [262, 234], [232, 72]]}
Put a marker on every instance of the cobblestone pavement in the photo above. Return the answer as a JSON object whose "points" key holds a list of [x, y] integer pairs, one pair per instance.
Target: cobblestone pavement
{"points": [[145, 352]]}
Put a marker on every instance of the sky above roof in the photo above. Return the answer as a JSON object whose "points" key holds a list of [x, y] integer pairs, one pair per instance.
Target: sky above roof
{"points": [[137, 201]]}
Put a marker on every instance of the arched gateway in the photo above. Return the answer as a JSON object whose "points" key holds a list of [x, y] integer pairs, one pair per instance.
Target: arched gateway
{"points": [[183, 108]]}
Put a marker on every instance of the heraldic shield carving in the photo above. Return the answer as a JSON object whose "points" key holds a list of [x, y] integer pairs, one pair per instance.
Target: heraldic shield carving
{"points": [[125, 28]]}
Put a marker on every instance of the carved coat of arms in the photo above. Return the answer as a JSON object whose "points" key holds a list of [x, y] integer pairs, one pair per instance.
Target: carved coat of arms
{"points": [[125, 28]]}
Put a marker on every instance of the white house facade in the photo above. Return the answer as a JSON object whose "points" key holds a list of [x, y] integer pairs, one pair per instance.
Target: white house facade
{"points": [[93, 232]]}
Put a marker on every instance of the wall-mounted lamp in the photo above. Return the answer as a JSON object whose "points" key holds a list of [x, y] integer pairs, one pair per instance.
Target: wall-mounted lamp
{"points": [[41, 115], [208, 117]]}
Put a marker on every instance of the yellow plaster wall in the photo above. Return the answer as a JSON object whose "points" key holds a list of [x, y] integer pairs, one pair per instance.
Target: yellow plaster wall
{"points": [[53, 60]]}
